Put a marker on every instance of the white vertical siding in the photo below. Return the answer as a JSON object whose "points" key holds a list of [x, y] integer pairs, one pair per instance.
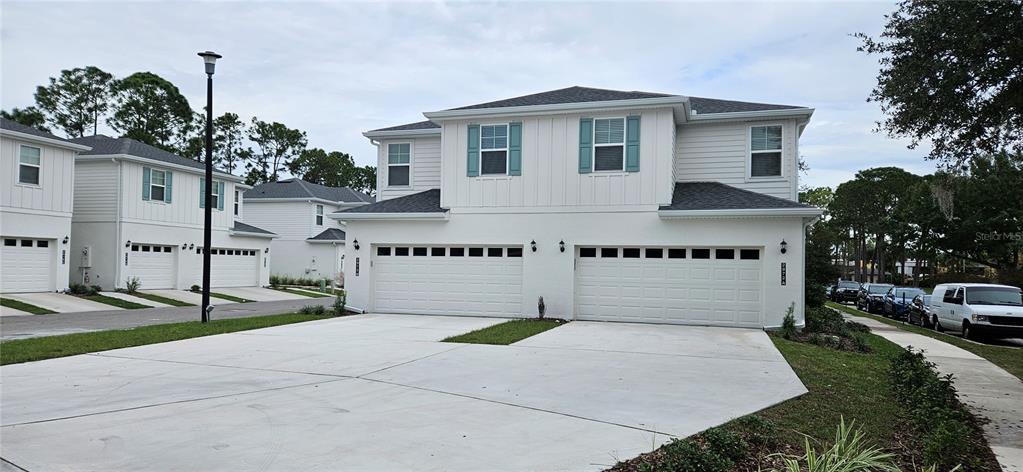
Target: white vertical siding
{"points": [[289, 220], [95, 191], [56, 178], [184, 206], [550, 167], [426, 167], [719, 152]]}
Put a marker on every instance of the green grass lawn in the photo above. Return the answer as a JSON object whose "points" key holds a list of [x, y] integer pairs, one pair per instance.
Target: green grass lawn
{"points": [[302, 292], [1008, 358], [232, 298], [35, 310], [113, 302], [34, 349], [159, 299], [506, 333]]}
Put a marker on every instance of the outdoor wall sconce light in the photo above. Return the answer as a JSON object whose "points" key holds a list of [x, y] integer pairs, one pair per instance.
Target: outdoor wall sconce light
{"points": [[266, 251], [66, 239], [784, 246], [127, 244], [355, 244], [561, 245], [532, 245], [191, 246]]}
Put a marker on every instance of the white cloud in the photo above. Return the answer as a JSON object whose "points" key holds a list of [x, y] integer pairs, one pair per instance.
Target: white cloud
{"points": [[336, 69]]}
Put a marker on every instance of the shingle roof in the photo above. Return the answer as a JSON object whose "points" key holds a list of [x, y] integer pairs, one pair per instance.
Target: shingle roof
{"points": [[298, 188], [566, 95], [331, 234], [247, 228], [422, 202], [718, 196], [12, 125], [704, 106], [105, 145], [411, 126]]}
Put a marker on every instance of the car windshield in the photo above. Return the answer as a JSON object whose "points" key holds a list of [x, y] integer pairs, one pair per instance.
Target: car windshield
{"points": [[878, 288], [927, 299], [993, 296], [848, 285], [908, 293]]}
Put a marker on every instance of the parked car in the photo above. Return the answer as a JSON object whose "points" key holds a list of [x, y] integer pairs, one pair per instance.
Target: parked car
{"points": [[845, 291], [978, 310], [871, 297], [920, 311], [897, 301]]}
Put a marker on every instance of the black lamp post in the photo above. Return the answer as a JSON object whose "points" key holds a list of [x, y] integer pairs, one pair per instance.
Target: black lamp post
{"points": [[210, 58]]}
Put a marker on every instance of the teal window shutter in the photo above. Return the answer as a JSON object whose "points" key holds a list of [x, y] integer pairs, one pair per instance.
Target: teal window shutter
{"points": [[168, 186], [514, 148], [220, 195], [585, 145], [145, 182], [632, 144], [202, 192], [473, 154]]}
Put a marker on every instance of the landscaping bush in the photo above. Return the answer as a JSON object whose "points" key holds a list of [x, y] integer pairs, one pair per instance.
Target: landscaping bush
{"points": [[82, 289], [195, 288], [339, 302], [942, 422], [317, 310], [278, 280], [132, 285], [788, 324], [685, 455], [849, 453], [825, 327]]}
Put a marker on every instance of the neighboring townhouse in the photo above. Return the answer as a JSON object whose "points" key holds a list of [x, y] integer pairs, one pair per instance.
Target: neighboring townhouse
{"points": [[611, 205], [310, 244], [139, 212], [35, 208]]}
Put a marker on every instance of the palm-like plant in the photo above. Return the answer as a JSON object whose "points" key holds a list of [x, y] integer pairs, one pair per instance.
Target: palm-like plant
{"points": [[849, 453]]}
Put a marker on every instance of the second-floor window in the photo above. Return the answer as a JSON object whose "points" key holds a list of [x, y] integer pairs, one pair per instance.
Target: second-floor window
{"points": [[28, 165], [319, 215], [157, 185], [237, 198], [216, 197], [609, 144], [493, 149], [399, 161], [765, 151]]}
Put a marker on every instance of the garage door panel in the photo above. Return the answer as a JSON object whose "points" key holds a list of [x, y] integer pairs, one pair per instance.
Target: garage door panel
{"points": [[234, 267], [154, 265], [27, 265]]}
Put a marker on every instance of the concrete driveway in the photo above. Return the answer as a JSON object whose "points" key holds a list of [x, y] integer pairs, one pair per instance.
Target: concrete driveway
{"points": [[379, 392], [59, 302]]}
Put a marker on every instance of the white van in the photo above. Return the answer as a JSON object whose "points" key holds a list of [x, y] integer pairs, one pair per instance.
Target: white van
{"points": [[977, 310]]}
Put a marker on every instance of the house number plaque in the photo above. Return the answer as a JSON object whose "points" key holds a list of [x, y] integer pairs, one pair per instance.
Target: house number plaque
{"points": [[783, 273]]}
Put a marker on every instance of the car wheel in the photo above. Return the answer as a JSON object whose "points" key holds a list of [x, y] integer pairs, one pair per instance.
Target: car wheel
{"points": [[937, 324], [970, 333]]}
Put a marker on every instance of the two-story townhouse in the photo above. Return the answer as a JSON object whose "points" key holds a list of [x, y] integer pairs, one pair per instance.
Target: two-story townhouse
{"points": [[35, 208], [611, 205], [138, 213], [309, 242]]}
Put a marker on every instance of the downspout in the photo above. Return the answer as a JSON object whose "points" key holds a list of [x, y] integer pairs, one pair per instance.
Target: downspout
{"points": [[117, 222]]}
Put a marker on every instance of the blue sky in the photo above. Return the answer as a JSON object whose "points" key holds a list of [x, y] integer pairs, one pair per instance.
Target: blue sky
{"points": [[335, 69]]}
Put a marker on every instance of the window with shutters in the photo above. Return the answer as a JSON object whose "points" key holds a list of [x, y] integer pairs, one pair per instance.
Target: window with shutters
{"points": [[28, 165], [399, 164], [609, 145], [494, 149], [157, 185], [765, 151]]}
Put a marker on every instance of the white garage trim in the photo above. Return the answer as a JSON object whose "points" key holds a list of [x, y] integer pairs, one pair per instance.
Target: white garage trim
{"points": [[155, 265], [27, 265], [675, 285], [467, 280]]}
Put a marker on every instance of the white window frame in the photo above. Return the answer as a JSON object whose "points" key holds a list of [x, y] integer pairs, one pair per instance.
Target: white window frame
{"points": [[318, 215], [237, 203], [162, 199], [37, 166], [506, 149], [594, 145], [387, 163], [212, 198], [750, 152]]}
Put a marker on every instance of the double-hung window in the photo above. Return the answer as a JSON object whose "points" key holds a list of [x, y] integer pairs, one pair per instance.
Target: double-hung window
{"points": [[237, 197], [494, 149], [28, 165], [765, 151], [399, 159], [319, 215], [157, 185], [609, 144]]}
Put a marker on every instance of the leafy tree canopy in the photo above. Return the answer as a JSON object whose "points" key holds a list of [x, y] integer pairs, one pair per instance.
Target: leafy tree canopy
{"points": [[278, 146], [150, 109], [952, 73], [74, 101], [28, 116]]}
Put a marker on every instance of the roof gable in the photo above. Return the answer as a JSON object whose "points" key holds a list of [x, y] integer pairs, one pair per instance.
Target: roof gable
{"points": [[103, 145], [566, 95], [298, 188]]}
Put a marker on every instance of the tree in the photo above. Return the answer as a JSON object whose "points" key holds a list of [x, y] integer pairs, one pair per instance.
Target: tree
{"points": [[278, 145], [821, 238], [150, 109], [951, 73], [74, 101], [365, 180], [333, 169], [28, 116], [228, 133]]}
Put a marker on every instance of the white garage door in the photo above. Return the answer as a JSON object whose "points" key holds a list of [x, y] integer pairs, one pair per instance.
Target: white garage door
{"points": [[27, 265], [234, 268], [153, 264], [702, 286], [451, 280]]}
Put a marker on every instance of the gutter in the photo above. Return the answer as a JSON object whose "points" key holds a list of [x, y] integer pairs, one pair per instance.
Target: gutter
{"points": [[740, 212], [752, 115], [43, 140], [673, 101], [400, 133], [390, 216], [253, 235]]}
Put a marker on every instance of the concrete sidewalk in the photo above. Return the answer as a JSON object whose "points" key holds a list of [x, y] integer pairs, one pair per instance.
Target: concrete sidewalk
{"points": [[988, 390], [17, 327]]}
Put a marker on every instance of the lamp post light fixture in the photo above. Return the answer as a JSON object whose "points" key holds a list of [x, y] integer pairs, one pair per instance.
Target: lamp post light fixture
{"points": [[209, 58]]}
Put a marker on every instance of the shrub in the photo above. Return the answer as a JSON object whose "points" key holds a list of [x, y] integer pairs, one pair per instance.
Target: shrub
{"points": [[815, 295], [339, 302], [132, 285], [541, 308], [317, 310], [278, 280], [82, 289], [758, 432], [788, 324], [849, 453], [195, 288], [685, 455], [725, 443]]}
